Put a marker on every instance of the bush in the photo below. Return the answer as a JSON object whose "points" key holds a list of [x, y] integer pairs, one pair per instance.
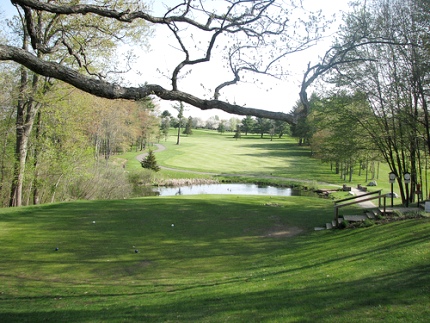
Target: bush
{"points": [[102, 182], [344, 224]]}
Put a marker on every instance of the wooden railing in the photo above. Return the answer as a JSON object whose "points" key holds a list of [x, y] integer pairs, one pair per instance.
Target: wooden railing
{"points": [[358, 199]]}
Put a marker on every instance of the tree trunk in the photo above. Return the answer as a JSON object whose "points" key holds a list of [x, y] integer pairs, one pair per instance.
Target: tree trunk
{"points": [[179, 133], [25, 115], [36, 197]]}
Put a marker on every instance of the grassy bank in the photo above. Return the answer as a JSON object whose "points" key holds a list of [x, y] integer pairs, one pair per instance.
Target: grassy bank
{"points": [[208, 259]]}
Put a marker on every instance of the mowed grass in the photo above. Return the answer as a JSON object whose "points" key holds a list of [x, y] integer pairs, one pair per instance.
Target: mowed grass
{"points": [[280, 160], [209, 151], [212, 258], [208, 259]]}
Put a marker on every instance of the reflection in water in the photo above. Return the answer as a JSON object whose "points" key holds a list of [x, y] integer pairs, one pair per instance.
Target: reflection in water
{"points": [[236, 189]]}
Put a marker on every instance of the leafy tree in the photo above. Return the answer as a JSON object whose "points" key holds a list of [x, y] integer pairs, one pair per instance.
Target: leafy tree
{"points": [[382, 52], [332, 139], [302, 129], [221, 127], [248, 124], [281, 128], [213, 122], [49, 37], [262, 126], [166, 114], [7, 129], [150, 162]]}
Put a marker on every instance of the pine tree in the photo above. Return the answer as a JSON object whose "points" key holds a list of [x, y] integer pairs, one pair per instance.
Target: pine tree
{"points": [[150, 162]]}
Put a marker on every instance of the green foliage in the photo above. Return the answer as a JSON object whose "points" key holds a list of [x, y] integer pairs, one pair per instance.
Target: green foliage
{"points": [[247, 124], [150, 162]]}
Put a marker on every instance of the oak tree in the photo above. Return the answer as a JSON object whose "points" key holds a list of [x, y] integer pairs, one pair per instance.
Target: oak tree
{"points": [[251, 37]]}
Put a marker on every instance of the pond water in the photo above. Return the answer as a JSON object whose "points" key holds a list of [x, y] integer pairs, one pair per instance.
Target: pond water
{"points": [[234, 189]]}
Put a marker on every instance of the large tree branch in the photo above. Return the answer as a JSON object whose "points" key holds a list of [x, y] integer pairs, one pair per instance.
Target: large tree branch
{"points": [[113, 91], [337, 56]]}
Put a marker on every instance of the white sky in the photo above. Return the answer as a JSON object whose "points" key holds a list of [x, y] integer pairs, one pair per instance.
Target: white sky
{"points": [[268, 94]]}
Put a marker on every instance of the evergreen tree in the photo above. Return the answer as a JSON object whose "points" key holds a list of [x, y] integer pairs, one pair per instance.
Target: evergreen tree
{"points": [[150, 162]]}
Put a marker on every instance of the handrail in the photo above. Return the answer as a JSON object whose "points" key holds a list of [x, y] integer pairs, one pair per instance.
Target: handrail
{"points": [[357, 196], [337, 207]]}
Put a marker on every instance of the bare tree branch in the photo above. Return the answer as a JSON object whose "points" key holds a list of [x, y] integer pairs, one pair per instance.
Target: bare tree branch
{"points": [[113, 91], [259, 30]]}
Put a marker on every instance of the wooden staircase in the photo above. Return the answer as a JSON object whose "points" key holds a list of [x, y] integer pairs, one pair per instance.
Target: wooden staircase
{"points": [[369, 214]]}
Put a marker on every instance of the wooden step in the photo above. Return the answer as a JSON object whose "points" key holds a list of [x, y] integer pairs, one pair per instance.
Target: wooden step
{"points": [[319, 228], [370, 215], [355, 218]]}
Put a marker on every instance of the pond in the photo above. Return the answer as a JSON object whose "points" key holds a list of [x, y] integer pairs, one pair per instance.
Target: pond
{"points": [[234, 189]]}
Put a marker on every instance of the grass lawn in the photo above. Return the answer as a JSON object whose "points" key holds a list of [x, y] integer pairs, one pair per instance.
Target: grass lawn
{"points": [[209, 151], [226, 258], [250, 158], [212, 258]]}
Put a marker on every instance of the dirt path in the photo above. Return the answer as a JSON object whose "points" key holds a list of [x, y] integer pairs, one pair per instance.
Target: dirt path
{"points": [[159, 148]]}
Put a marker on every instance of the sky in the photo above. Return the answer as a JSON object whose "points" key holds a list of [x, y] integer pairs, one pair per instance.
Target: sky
{"points": [[152, 65]]}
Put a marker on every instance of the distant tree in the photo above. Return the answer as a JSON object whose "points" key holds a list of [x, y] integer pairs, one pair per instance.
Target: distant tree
{"points": [[232, 123], [150, 162], [302, 129], [212, 122], [198, 123], [166, 114], [165, 126], [237, 134], [262, 126], [188, 127], [282, 128], [180, 109], [272, 129], [247, 124], [221, 126]]}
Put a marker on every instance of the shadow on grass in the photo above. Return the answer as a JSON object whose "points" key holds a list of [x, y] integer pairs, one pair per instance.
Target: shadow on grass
{"points": [[214, 265], [372, 298], [280, 149]]}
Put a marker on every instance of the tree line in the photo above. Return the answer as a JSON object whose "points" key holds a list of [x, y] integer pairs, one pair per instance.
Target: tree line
{"points": [[69, 149], [376, 108], [249, 124]]}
